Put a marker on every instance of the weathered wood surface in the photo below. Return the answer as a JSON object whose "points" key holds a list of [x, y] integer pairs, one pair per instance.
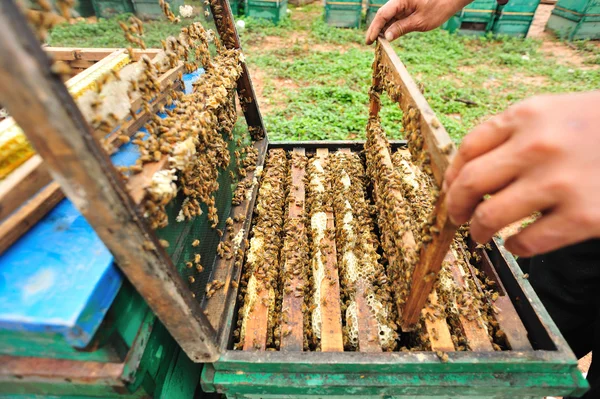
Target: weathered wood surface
{"points": [[43, 107], [92, 54], [20, 221], [505, 312], [331, 319], [256, 323], [21, 184], [437, 141], [476, 334], [368, 330], [37, 369], [292, 326], [220, 307], [439, 146], [437, 329], [31, 177]]}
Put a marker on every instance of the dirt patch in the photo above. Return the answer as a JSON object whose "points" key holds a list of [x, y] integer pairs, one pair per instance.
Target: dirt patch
{"points": [[519, 78], [269, 102]]}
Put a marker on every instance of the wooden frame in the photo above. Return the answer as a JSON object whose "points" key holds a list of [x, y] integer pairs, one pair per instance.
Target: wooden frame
{"points": [[75, 160], [388, 70], [31, 183]]}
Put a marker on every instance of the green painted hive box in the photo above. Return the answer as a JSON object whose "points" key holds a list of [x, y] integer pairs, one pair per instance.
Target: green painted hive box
{"points": [[372, 7], [476, 18], [150, 9], [576, 19], [530, 359], [111, 8], [343, 14], [272, 10], [515, 18], [547, 367]]}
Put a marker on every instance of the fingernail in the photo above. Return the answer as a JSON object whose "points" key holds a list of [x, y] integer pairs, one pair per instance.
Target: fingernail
{"points": [[389, 36]]}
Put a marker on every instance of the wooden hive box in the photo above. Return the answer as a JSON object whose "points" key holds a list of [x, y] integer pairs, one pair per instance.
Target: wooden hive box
{"points": [[533, 361]]}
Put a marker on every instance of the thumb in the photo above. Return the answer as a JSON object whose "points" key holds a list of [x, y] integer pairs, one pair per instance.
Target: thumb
{"points": [[402, 27]]}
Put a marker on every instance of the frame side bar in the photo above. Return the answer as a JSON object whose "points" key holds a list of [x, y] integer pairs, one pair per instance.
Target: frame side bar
{"points": [[221, 12], [42, 106]]}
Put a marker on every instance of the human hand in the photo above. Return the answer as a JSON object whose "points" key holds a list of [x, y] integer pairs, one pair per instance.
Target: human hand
{"points": [[399, 17], [542, 154]]}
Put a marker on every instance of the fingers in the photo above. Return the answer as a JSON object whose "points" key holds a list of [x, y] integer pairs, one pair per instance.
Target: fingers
{"points": [[486, 174], [402, 27], [385, 14], [510, 205], [550, 232], [481, 140]]}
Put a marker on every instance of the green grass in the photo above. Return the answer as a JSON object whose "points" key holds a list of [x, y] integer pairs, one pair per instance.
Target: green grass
{"points": [[330, 73]]}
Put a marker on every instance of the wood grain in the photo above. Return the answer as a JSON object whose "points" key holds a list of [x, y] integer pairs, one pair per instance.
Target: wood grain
{"points": [[257, 322], [478, 339], [41, 104], [331, 319], [292, 326], [21, 184], [368, 329], [20, 221], [439, 146]]}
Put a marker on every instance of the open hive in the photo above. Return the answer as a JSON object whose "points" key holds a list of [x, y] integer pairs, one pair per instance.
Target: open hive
{"points": [[318, 276]]}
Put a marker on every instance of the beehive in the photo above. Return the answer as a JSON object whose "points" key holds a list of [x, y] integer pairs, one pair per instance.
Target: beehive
{"points": [[320, 319]]}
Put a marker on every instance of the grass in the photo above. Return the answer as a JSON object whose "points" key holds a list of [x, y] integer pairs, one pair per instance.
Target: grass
{"points": [[316, 78]]}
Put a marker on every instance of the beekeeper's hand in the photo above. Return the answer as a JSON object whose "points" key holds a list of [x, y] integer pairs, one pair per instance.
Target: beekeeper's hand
{"points": [[540, 155], [399, 17]]}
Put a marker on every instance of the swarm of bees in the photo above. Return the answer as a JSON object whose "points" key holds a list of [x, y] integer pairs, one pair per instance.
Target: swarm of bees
{"points": [[263, 264]]}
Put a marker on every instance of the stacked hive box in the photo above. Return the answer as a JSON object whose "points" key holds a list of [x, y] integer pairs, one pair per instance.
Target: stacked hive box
{"points": [[515, 18], [273, 10], [343, 14], [576, 19]]}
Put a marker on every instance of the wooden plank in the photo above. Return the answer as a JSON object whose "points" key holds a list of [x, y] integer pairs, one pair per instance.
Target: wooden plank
{"points": [[92, 54], [260, 292], [20, 221], [368, 334], [437, 141], [256, 323], [437, 328], [226, 27], [21, 184], [292, 326], [511, 325], [441, 149], [476, 334], [21, 369], [220, 307], [368, 328], [506, 314], [331, 321], [41, 104]]}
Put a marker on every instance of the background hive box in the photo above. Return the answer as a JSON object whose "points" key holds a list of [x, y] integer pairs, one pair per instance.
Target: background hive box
{"points": [[575, 19], [343, 14]]}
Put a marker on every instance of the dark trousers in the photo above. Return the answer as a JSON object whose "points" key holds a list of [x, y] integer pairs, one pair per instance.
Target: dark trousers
{"points": [[568, 284]]}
